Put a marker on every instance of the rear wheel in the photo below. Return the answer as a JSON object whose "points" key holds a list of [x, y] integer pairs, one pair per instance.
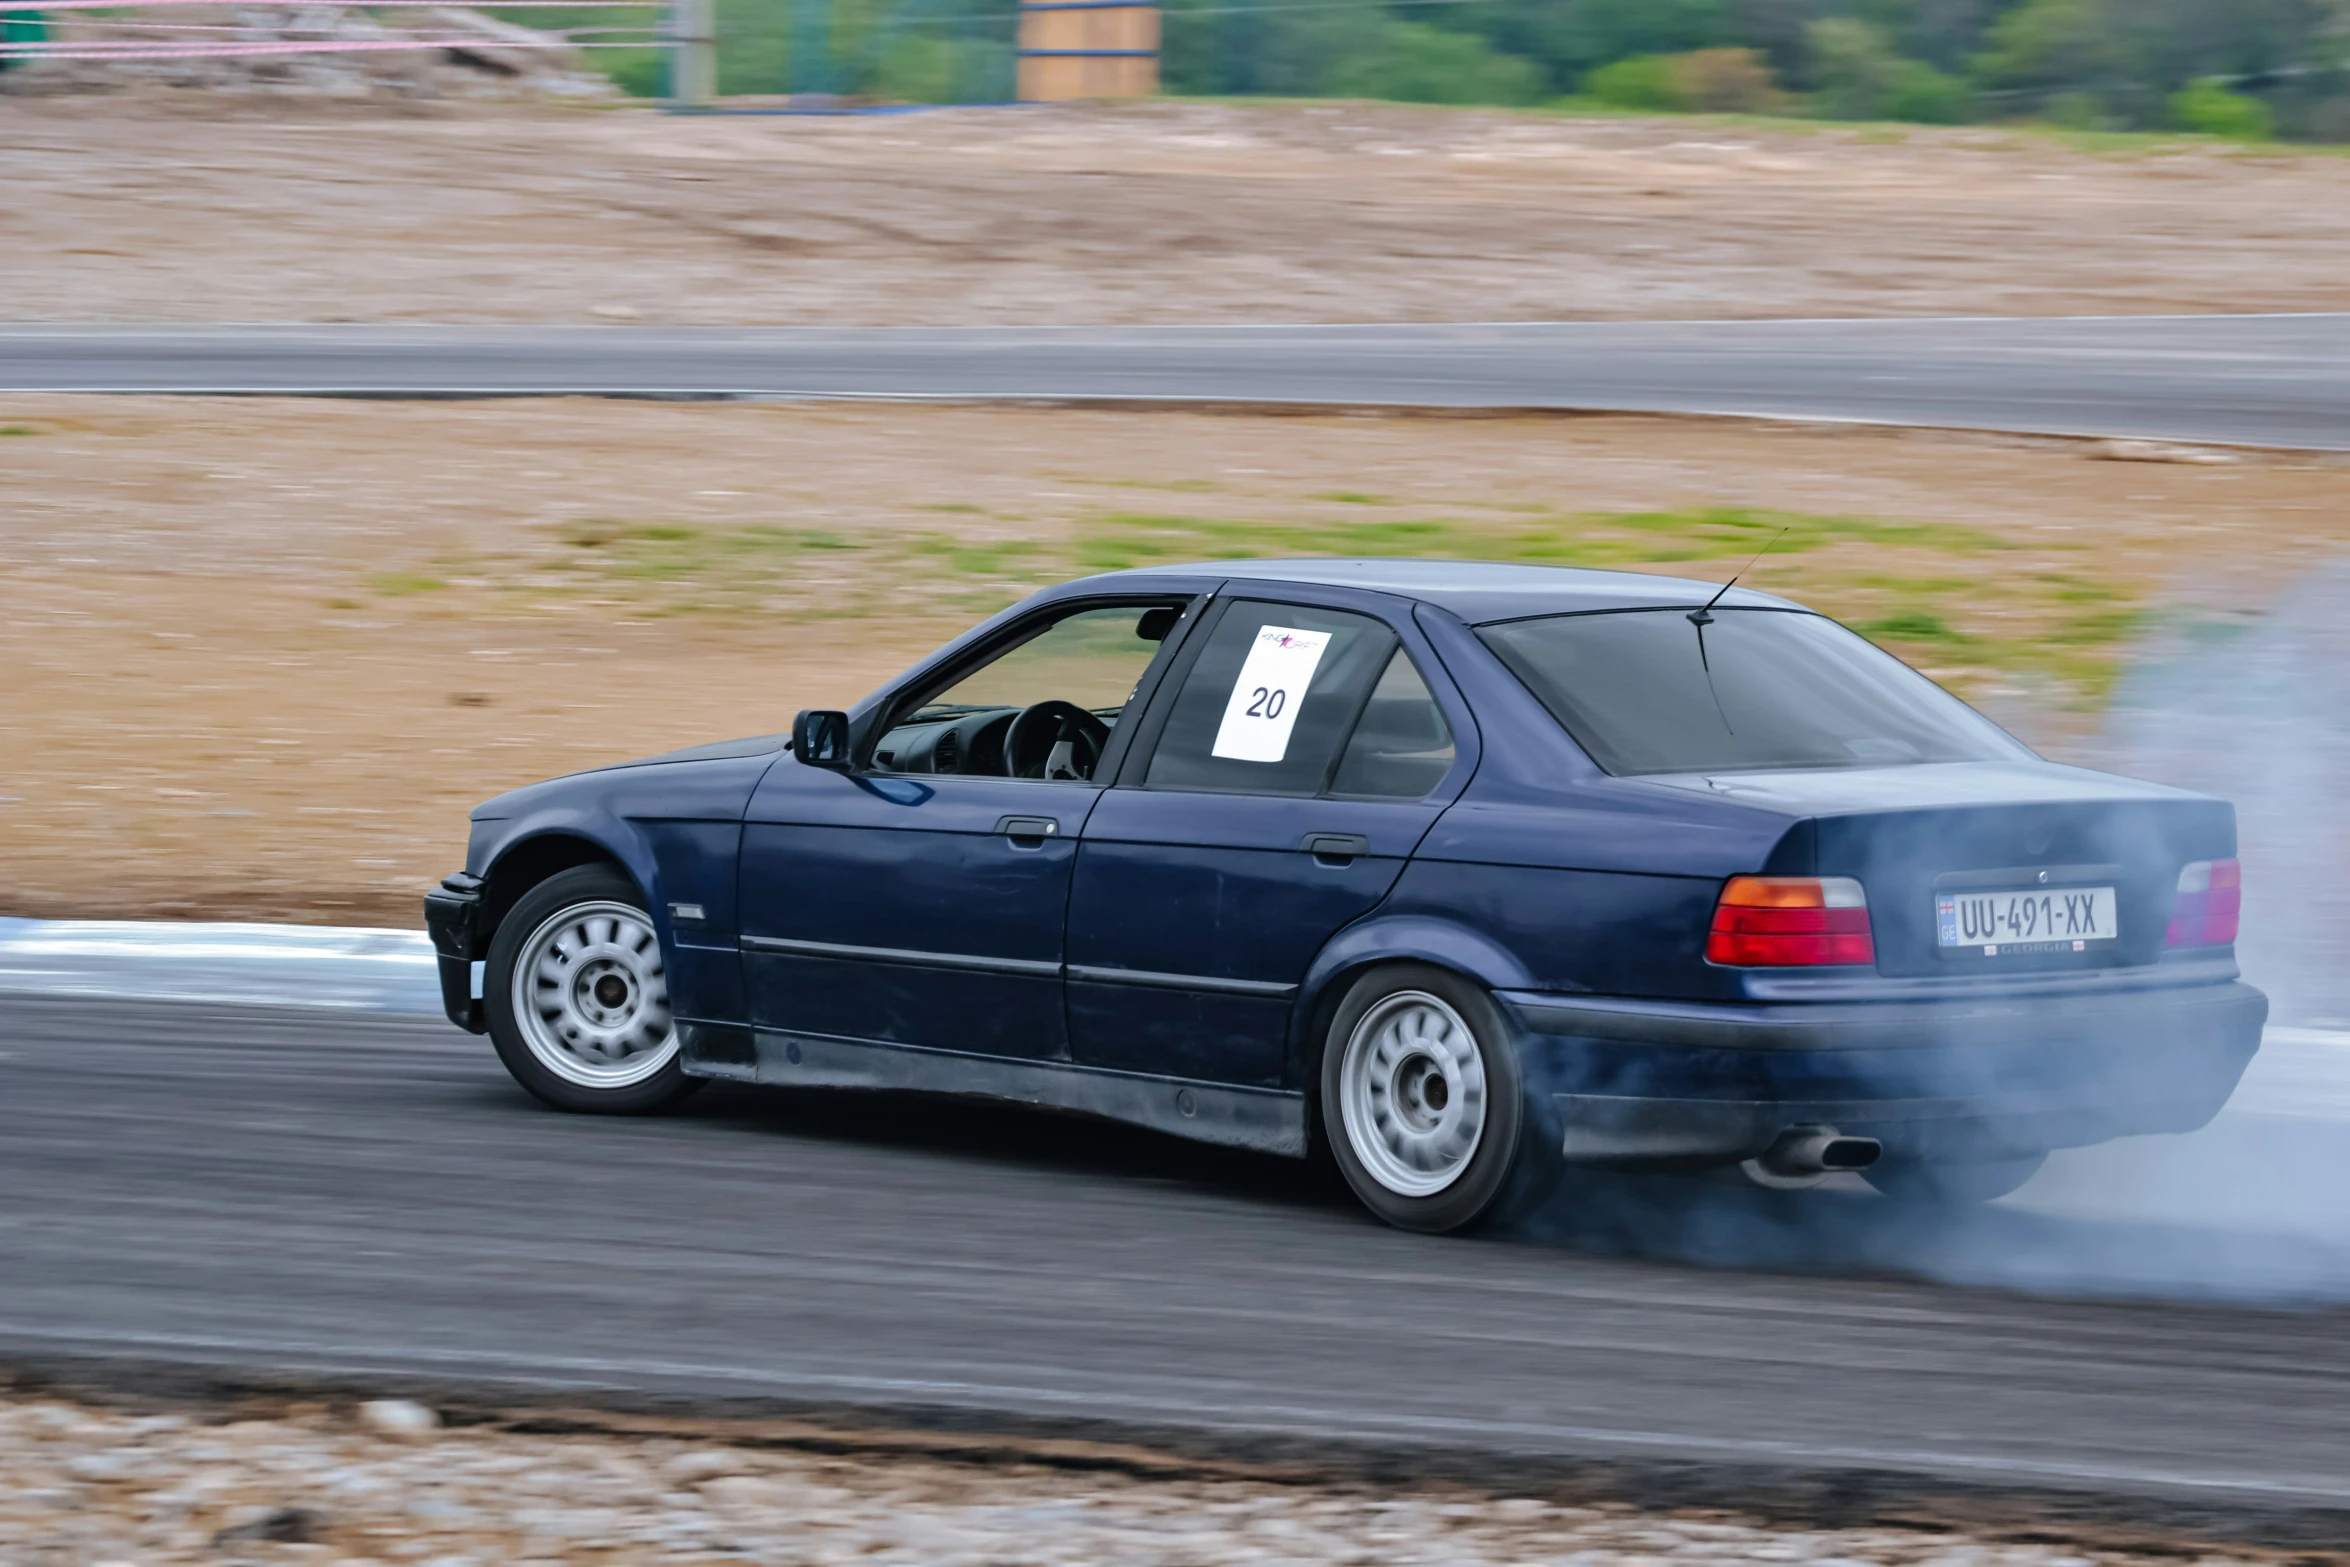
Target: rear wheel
{"points": [[1953, 1183], [577, 997], [1423, 1106]]}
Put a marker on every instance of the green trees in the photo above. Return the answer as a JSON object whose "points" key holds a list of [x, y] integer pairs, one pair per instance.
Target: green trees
{"points": [[1412, 62], [1702, 81], [2214, 111], [1857, 74], [2242, 69], [2245, 69], [2239, 68]]}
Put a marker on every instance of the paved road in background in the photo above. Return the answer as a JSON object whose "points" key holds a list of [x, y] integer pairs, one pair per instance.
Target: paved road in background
{"points": [[301, 1190], [2258, 380]]}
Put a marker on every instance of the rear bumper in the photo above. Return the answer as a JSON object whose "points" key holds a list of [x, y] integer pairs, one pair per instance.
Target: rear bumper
{"points": [[1694, 1083], [452, 915]]}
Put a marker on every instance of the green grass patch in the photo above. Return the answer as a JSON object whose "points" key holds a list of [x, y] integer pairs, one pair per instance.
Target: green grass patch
{"points": [[1172, 486], [1913, 625], [992, 559], [1969, 620], [1943, 595], [667, 551], [403, 584], [2086, 651], [1113, 541], [2067, 589], [678, 568], [17, 429]]}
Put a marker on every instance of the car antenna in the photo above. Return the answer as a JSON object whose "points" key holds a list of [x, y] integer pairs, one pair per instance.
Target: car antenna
{"points": [[1702, 616]]}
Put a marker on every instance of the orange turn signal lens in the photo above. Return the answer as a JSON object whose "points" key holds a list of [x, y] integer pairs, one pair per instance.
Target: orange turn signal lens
{"points": [[1790, 921]]}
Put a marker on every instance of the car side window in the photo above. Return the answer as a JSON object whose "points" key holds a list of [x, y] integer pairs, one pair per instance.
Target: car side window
{"points": [[1271, 701], [1043, 708], [1401, 747]]}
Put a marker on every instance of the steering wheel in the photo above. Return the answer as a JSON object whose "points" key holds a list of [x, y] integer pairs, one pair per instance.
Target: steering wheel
{"points": [[1054, 739]]}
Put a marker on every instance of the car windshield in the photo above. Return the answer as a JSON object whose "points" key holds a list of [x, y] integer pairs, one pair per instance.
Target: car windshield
{"points": [[1648, 691]]}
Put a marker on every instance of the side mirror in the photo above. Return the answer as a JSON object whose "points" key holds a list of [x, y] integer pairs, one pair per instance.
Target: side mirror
{"points": [[820, 738]]}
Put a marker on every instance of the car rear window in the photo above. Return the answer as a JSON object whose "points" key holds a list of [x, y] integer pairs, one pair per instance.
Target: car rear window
{"points": [[1648, 691]]}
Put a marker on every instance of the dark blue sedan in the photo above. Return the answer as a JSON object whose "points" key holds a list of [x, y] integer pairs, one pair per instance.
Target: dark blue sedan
{"points": [[1461, 874]]}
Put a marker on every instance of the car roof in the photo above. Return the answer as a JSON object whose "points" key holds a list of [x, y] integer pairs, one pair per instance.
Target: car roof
{"points": [[1478, 591]]}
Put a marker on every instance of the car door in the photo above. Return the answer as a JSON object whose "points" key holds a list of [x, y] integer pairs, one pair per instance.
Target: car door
{"points": [[918, 899], [1294, 760]]}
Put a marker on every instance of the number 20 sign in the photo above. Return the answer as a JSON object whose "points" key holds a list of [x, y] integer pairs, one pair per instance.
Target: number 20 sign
{"points": [[1263, 706]]}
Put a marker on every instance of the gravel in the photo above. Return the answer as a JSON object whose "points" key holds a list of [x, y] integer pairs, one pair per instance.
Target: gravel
{"points": [[93, 1486]]}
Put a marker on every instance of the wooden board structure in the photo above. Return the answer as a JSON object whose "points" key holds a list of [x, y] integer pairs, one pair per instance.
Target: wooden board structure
{"points": [[1088, 49]]}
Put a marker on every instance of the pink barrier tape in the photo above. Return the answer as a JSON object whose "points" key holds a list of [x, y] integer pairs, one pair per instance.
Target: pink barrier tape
{"points": [[112, 26], [242, 30], [134, 50], [486, 5]]}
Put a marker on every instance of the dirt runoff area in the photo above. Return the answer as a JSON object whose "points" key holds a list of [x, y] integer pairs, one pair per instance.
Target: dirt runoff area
{"points": [[385, 1481], [187, 207], [264, 655]]}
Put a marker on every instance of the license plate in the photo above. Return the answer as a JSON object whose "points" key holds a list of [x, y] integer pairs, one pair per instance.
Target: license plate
{"points": [[2040, 919]]}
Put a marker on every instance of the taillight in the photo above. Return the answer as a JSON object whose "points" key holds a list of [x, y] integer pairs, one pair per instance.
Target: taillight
{"points": [[2211, 896], [1777, 921]]}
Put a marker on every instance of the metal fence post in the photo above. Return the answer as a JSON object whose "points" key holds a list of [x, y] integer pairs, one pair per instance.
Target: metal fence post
{"points": [[808, 47], [693, 52]]}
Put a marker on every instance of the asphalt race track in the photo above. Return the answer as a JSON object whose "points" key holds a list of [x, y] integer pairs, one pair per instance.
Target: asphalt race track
{"points": [[353, 1195], [2280, 381]]}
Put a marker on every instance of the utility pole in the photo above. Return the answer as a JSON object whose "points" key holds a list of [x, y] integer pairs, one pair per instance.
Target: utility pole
{"points": [[693, 53]]}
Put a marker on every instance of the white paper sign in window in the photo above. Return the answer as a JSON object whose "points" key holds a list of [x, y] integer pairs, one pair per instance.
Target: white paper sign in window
{"points": [[1265, 700]]}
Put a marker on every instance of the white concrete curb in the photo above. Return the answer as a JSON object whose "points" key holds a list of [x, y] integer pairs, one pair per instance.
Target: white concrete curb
{"points": [[268, 965]]}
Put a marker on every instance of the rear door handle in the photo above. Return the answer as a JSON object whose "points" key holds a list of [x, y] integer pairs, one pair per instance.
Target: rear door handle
{"points": [[1028, 831], [1335, 848]]}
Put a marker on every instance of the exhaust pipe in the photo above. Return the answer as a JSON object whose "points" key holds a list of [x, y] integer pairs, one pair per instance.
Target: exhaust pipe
{"points": [[1806, 1155], [1816, 1150]]}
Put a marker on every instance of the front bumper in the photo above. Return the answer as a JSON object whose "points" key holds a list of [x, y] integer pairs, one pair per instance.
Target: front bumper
{"points": [[452, 914], [1664, 1082]]}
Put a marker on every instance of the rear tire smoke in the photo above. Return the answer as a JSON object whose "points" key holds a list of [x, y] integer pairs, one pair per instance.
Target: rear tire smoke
{"points": [[1952, 1183]]}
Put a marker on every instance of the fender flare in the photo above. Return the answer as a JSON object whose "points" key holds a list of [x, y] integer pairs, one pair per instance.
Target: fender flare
{"points": [[1393, 938], [611, 837]]}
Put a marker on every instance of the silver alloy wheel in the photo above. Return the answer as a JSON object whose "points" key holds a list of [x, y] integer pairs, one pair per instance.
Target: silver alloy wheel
{"points": [[591, 996], [1412, 1094]]}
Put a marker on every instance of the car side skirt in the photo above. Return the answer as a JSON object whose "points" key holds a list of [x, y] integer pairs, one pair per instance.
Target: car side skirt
{"points": [[1267, 1120]]}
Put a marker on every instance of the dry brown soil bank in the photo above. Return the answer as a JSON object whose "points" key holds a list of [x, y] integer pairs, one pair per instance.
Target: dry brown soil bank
{"points": [[124, 209]]}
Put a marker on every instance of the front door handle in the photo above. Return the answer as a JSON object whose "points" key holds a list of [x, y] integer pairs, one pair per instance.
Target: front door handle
{"points": [[1028, 832], [1335, 848]]}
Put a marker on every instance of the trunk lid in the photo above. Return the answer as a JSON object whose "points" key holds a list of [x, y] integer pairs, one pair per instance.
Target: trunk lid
{"points": [[2034, 839]]}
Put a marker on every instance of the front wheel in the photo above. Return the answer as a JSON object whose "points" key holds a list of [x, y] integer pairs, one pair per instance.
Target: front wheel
{"points": [[577, 997], [1423, 1106]]}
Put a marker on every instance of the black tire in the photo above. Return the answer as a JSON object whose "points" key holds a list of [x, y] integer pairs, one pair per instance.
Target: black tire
{"points": [[1952, 1183], [1515, 1160], [580, 889]]}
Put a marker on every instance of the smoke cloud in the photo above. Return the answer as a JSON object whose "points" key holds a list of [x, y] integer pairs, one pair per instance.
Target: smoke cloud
{"points": [[2253, 1208]]}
